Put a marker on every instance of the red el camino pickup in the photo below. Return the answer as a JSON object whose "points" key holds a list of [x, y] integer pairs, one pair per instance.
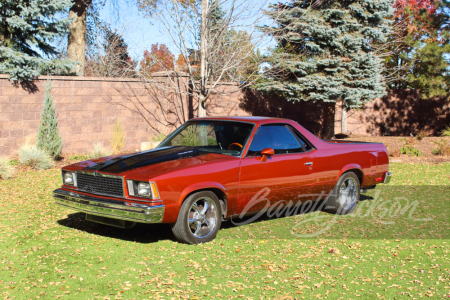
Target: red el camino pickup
{"points": [[214, 169]]}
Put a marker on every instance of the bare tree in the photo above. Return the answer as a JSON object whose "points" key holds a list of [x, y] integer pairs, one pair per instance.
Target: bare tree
{"points": [[392, 48], [217, 41], [107, 55], [162, 110]]}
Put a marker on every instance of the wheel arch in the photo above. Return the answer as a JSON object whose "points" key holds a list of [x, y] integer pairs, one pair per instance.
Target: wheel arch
{"points": [[355, 168], [218, 189]]}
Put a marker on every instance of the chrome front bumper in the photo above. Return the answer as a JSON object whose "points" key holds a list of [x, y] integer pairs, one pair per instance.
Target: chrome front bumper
{"points": [[114, 209], [387, 177]]}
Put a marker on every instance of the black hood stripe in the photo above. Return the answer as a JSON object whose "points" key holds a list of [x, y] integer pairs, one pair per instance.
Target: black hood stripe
{"points": [[129, 162]]}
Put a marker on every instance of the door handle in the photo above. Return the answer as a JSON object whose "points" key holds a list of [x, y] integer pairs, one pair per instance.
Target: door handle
{"points": [[308, 163]]}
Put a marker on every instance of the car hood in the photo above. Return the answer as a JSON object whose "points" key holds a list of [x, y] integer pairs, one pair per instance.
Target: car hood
{"points": [[154, 162], [120, 164]]}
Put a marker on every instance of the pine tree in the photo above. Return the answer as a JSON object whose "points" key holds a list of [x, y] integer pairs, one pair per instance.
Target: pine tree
{"points": [[27, 30], [324, 52], [48, 134]]}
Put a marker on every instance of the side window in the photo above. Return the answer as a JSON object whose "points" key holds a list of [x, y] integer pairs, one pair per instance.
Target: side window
{"points": [[302, 140], [277, 137]]}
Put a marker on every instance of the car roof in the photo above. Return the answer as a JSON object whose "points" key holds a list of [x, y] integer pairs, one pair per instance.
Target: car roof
{"points": [[251, 119]]}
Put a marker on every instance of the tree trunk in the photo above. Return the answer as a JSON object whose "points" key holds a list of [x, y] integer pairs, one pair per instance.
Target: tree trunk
{"points": [[201, 106], [344, 118], [328, 120], [4, 36], [203, 61], [190, 100], [76, 46]]}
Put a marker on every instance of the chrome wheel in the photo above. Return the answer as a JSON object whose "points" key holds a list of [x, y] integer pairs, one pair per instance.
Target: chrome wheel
{"points": [[348, 193], [203, 216]]}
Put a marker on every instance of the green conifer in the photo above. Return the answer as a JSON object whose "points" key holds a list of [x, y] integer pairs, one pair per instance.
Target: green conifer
{"points": [[28, 31], [324, 52], [48, 134]]}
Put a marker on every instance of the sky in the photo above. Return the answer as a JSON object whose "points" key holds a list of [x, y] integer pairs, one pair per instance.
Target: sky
{"points": [[139, 31]]}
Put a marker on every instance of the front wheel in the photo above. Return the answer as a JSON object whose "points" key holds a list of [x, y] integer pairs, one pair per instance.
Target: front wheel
{"points": [[345, 195], [199, 219]]}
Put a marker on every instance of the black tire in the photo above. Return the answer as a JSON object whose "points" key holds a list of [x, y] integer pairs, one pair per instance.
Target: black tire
{"points": [[206, 226], [339, 202]]}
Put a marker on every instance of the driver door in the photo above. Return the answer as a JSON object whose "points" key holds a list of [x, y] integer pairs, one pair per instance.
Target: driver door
{"points": [[281, 178]]}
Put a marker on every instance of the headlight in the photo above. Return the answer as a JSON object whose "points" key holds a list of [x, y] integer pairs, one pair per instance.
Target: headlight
{"points": [[142, 189], [69, 178]]}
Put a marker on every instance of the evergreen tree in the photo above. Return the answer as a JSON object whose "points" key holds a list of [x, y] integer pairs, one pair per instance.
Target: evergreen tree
{"points": [[416, 54], [27, 29], [115, 43], [429, 71], [324, 52], [48, 134]]}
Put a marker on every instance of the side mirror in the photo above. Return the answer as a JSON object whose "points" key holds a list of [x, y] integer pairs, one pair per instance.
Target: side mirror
{"points": [[266, 152]]}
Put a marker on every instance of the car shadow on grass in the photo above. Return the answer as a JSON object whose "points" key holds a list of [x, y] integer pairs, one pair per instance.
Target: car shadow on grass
{"points": [[246, 220], [141, 233], [152, 233]]}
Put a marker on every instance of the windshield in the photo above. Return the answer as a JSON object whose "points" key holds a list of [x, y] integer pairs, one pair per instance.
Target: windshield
{"points": [[212, 136]]}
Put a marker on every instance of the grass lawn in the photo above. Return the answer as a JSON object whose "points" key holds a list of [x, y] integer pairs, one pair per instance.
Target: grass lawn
{"points": [[396, 245]]}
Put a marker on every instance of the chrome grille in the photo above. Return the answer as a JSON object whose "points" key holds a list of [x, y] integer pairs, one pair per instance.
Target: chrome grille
{"points": [[100, 184]]}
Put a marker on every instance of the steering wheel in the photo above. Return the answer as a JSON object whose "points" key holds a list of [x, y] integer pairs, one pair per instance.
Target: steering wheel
{"points": [[237, 144]]}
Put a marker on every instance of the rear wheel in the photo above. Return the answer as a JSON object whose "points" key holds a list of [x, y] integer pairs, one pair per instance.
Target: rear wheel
{"points": [[345, 196], [199, 219]]}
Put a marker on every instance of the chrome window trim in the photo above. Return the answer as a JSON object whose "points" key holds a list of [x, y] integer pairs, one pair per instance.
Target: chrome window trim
{"points": [[198, 120], [103, 175], [295, 136], [295, 132]]}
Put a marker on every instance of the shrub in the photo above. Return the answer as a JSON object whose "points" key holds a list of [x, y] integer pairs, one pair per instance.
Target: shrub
{"points": [[409, 147], [421, 135], [48, 138], [117, 140], [34, 157], [442, 148], [446, 131], [98, 151], [410, 150], [159, 137], [30, 139], [79, 157], [14, 162], [394, 152], [7, 170]]}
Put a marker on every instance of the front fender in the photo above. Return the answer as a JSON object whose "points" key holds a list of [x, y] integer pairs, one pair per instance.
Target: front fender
{"points": [[201, 186], [172, 210]]}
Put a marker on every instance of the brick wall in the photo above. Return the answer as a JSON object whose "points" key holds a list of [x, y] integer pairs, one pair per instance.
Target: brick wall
{"points": [[87, 109], [399, 113]]}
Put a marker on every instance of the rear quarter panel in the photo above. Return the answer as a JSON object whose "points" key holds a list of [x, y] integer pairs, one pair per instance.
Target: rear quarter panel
{"points": [[371, 160], [333, 158]]}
